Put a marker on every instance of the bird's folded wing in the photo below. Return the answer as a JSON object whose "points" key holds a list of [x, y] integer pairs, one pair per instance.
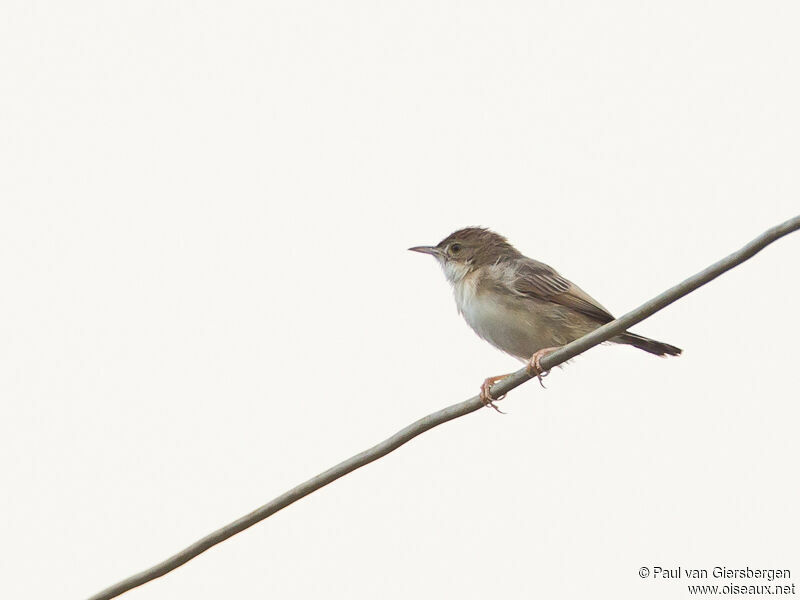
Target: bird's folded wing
{"points": [[538, 280]]}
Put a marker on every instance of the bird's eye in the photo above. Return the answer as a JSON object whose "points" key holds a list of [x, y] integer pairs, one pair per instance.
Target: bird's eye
{"points": [[455, 248]]}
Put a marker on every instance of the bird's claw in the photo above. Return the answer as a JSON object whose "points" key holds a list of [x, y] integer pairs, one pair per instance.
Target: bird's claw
{"points": [[534, 366], [486, 395]]}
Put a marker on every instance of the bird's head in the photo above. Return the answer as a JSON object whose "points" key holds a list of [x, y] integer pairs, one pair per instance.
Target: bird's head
{"points": [[466, 250]]}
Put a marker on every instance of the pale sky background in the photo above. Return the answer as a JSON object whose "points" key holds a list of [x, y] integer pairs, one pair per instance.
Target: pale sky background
{"points": [[207, 298]]}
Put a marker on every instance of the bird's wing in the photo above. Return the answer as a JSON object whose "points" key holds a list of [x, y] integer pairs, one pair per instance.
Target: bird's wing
{"points": [[537, 280]]}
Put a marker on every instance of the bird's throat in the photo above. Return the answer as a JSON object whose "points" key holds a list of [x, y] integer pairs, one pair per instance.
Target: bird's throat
{"points": [[456, 272]]}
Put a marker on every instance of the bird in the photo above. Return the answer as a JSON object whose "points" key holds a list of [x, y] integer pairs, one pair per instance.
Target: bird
{"points": [[520, 305]]}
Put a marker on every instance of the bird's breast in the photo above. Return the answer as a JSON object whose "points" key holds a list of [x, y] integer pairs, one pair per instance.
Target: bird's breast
{"points": [[505, 321]]}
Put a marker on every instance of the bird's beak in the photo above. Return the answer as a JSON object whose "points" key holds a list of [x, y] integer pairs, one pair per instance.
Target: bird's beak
{"points": [[426, 250]]}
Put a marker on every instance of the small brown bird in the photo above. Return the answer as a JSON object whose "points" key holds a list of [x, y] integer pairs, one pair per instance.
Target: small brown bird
{"points": [[520, 305]]}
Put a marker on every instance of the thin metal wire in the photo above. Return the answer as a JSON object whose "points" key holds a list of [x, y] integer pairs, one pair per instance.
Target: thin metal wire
{"points": [[439, 417]]}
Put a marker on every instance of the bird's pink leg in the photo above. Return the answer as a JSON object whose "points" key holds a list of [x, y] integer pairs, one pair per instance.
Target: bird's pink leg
{"points": [[486, 396], [534, 366]]}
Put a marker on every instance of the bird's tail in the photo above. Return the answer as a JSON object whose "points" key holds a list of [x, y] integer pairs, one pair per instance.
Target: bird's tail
{"points": [[648, 345]]}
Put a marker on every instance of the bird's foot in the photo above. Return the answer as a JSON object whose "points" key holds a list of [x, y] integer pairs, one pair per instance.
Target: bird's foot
{"points": [[486, 395], [534, 366]]}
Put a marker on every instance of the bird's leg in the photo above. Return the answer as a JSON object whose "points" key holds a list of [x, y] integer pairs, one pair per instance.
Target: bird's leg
{"points": [[486, 396], [534, 366]]}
